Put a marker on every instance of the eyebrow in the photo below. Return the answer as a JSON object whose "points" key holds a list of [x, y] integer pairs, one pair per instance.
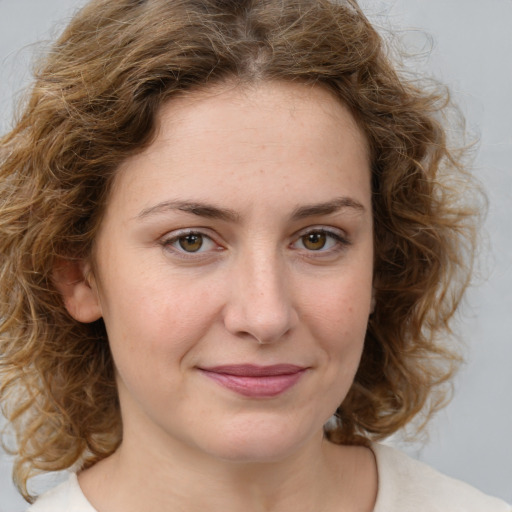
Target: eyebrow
{"points": [[329, 207], [200, 209], [214, 212]]}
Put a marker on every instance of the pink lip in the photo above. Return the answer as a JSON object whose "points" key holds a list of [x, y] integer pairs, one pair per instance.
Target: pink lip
{"points": [[256, 381]]}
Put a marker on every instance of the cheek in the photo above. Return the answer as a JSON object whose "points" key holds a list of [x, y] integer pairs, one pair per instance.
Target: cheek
{"points": [[340, 309], [336, 316], [153, 340], [152, 321]]}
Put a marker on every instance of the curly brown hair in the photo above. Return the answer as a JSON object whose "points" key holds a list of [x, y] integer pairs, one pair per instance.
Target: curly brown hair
{"points": [[93, 104]]}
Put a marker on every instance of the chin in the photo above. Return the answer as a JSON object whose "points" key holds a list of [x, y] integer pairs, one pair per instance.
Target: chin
{"points": [[260, 442]]}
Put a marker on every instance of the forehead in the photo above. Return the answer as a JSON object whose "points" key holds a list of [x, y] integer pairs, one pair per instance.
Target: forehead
{"points": [[281, 107], [273, 137]]}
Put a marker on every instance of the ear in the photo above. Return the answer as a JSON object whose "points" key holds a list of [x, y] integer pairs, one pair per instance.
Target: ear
{"points": [[75, 282]]}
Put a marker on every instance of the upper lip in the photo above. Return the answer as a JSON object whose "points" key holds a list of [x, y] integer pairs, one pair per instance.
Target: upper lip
{"points": [[251, 370]]}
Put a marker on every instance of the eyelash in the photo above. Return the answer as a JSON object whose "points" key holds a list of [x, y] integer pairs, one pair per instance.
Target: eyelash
{"points": [[168, 242], [340, 241]]}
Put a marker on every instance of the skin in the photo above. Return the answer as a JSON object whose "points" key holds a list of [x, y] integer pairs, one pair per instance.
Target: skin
{"points": [[241, 235]]}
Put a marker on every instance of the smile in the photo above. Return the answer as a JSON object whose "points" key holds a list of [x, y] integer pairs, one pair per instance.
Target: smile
{"points": [[256, 381]]}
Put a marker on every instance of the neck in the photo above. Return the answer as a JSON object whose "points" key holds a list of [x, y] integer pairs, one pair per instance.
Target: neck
{"points": [[142, 476]]}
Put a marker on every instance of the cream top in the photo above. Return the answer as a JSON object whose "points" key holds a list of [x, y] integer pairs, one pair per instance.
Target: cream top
{"points": [[405, 485]]}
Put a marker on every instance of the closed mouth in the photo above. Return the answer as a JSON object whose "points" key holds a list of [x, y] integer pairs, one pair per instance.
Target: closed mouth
{"points": [[256, 381], [250, 370]]}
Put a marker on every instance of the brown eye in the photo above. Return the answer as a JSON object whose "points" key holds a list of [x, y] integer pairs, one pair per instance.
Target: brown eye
{"points": [[191, 243], [314, 241]]}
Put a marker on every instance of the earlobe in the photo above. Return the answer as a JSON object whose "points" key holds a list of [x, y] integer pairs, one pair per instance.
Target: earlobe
{"points": [[74, 280]]}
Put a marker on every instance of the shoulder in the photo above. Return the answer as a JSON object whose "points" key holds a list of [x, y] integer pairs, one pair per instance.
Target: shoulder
{"points": [[66, 497], [406, 484]]}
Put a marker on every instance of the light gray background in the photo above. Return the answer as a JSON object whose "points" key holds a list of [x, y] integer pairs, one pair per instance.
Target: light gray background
{"points": [[472, 50]]}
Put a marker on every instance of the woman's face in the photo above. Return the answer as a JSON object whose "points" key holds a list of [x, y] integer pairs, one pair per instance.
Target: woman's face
{"points": [[233, 270]]}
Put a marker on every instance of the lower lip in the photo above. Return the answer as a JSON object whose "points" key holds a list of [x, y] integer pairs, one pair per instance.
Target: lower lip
{"points": [[256, 387]]}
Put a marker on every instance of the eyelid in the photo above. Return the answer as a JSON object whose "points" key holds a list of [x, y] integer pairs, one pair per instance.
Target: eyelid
{"points": [[167, 241], [339, 236], [320, 228]]}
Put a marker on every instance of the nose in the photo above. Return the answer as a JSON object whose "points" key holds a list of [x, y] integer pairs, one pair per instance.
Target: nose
{"points": [[260, 305]]}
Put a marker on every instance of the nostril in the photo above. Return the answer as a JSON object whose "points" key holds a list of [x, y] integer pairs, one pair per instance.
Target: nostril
{"points": [[260, 306], [263, 324]]}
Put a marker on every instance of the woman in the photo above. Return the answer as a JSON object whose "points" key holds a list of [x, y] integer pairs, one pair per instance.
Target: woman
{"points": [[230, 250]]}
